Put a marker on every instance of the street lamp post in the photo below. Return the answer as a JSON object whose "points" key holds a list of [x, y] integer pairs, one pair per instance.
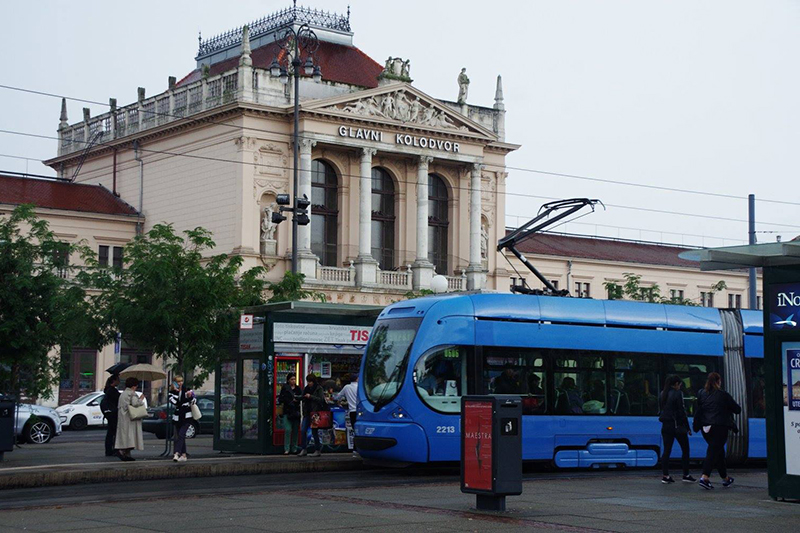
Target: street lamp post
{"points": [[303, 40]]}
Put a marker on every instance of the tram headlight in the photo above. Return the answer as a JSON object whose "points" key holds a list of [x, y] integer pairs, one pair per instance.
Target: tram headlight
{"points": [[399, 414]]}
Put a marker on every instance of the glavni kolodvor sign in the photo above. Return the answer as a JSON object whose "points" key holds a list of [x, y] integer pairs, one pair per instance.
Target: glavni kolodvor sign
{"points": [[784, 306], [403, 139]]}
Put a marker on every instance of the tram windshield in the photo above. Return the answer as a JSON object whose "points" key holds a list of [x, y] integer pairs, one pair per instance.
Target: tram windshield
{"points": [[387, 358]]}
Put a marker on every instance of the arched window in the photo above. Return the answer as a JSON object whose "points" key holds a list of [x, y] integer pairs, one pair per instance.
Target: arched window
{"points": [[437, 223], [383, 218], [324, 212]]}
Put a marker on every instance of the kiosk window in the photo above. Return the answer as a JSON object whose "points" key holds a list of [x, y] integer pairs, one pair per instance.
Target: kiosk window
{"points": [[580, 381], [516, 371], [635, 387], [441, 378]]}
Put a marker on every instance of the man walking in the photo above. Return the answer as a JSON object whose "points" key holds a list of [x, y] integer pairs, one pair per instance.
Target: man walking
{"points": [[109, 406], [350, 393]]}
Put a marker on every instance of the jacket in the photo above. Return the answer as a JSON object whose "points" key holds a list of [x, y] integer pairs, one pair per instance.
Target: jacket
{"points": [[715, 409], [181, 401], [673, 411], [129, 432], [110, 402], [289, 398], [316, 402]]}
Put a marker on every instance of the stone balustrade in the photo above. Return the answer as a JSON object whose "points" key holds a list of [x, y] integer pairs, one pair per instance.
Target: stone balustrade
{"points": [[457, 283], [345, 277], [395, 279]]}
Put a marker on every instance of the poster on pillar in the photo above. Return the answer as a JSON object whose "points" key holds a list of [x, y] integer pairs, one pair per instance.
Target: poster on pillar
{"points": [[791, 405]]}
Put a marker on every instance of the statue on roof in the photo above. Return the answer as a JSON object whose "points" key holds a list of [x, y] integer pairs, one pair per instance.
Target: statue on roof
{"points": [[463, 86], [396, 68]]}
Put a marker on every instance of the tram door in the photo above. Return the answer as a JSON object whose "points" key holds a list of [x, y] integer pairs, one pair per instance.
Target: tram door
{"points": [[285, 365]]}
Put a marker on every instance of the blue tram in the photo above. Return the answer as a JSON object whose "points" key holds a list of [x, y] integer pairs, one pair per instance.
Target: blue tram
{"points": [[589, 373]]}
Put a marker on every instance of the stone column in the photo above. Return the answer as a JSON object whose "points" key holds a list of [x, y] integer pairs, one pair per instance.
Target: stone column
{"points": [[476, 278], [245, 78], [422, 268], [307, 261], [366, 265]]}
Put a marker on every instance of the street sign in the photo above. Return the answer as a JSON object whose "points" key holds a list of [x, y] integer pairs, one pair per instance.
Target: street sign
{"points": [[246, 322]]}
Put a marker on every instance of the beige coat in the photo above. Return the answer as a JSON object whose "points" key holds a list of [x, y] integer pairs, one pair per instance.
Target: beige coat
{"points": [[129, 432]]}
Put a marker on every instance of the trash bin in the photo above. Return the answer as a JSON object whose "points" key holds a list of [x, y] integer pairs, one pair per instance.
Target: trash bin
{"points": [[491, 449], [6, 425]]}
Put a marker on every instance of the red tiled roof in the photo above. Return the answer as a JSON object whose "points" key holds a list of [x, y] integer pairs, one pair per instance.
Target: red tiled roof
{"points": [[62, 195], [605, 250], [339, 63]]}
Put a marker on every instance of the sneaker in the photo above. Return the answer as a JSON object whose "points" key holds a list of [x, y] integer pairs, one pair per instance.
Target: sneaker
{"points": [[706, 484], [176, 457], [182, 459], [356, 455], [727, 482], [302, 453], [667, 480], [689, 479], [286, 452], [315, 454]]}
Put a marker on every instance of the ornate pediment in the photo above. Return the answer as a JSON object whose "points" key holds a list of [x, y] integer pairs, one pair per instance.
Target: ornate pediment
{"points": [[405, 105]]}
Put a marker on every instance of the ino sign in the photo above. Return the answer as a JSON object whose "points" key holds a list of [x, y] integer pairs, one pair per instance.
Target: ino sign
{"points": [[784, 306]]}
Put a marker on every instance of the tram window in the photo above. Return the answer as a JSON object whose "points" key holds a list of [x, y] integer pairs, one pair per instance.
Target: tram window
{"points": [[580, 382], [757, 398], [635, 388], [516, 371], [693, 371], [441, 378]]}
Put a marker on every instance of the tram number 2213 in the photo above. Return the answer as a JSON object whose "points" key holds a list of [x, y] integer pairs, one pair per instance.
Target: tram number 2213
{"points": [[445, 429]]}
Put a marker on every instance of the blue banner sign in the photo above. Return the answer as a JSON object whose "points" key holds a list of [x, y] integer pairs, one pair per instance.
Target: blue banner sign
{"points": [[792, 390], [784, 306]]}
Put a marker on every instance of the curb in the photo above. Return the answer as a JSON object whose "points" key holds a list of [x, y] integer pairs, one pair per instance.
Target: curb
{"points": [[170, 470]]}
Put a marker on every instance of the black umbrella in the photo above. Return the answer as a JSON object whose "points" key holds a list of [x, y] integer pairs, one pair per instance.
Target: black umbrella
{"points": [[117, 368]]}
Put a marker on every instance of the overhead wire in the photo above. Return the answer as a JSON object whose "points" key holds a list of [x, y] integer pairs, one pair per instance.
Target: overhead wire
{"points": [[353, 176], [521, 169]]}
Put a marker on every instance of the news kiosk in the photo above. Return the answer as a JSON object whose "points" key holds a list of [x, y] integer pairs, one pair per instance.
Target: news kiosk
{"points": [[781, 289]]}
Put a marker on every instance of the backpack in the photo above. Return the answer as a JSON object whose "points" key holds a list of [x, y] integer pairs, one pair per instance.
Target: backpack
{"points": [[105, 406]]}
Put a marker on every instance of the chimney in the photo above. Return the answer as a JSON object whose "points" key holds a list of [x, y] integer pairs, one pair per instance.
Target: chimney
{"points": [[171, 81], [140, 92], [245, 60], [63, 121]]}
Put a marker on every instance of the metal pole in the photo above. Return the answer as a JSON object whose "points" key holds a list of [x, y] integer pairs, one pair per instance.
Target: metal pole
{"points": [[751, 221], [296, 183]]}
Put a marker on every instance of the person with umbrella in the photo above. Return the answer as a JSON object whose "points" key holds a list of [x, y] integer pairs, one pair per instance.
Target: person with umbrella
{"points": [[109, 407]]}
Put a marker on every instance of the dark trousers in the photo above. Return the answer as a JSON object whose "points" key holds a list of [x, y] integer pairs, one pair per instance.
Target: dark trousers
{"points": [[670, 435], [353, 415], [180, 438], [111, 433], [304, 435], [715, 454]]}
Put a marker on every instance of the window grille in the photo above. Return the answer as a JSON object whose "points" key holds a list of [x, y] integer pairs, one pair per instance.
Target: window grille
{"points": [[180, 104], [120, 118], [195, 98], [214, 93], [229, 87], [149, 114], [163, 110], [133, 119]]}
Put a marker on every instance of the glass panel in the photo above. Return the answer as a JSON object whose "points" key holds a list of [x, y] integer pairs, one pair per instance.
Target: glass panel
{"points": [[693, 371], [757, 397], [87, 369], [515, 371], [582, 390], [636, 386], [387, 357], [85, 398], [102, 256], [250, 411], [117, 257], [66, 369], [227, 405], [441, 378]]}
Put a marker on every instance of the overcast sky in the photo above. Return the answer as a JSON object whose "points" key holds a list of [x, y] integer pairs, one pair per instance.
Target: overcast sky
{"points": [[683, 94]]}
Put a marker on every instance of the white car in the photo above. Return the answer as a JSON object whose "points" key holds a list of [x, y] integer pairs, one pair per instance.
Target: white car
{"points": [[85, 411]]}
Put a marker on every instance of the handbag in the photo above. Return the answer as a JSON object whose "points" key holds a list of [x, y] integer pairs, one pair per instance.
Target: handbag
{"points": [[137, 412], [196, 414], [321, 420]]}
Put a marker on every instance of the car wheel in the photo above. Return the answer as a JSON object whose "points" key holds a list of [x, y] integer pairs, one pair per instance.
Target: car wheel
{"points": [[78, 422], [192, 430], [39, 432]]}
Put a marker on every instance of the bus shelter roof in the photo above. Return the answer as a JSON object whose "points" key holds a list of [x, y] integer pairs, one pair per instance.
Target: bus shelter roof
{"points": [[753, 255], [315, 308]]}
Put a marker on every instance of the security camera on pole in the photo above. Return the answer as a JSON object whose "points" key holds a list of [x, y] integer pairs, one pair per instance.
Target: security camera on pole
{"points": [[296, 42]]}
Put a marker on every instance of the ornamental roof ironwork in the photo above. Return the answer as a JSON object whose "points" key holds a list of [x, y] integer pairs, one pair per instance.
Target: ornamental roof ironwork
{"points": [[286, 17]]}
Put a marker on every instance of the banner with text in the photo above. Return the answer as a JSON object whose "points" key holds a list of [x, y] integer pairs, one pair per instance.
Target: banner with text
{"points": [[791, 405], [320, 333]]}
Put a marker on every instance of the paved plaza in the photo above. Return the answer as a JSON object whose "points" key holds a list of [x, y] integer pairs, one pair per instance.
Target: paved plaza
{"points": [[611, 501]]}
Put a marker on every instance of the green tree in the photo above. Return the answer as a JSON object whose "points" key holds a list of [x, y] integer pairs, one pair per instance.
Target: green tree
{"points": [[632, 289], [43, 304], [290, 289], [175, 300]]}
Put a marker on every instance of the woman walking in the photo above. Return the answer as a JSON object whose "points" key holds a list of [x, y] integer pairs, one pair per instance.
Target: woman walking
{"points": [[313, 400], [182, 401], [129, 431], [674, 426], [714, 414], [289, 398]]}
